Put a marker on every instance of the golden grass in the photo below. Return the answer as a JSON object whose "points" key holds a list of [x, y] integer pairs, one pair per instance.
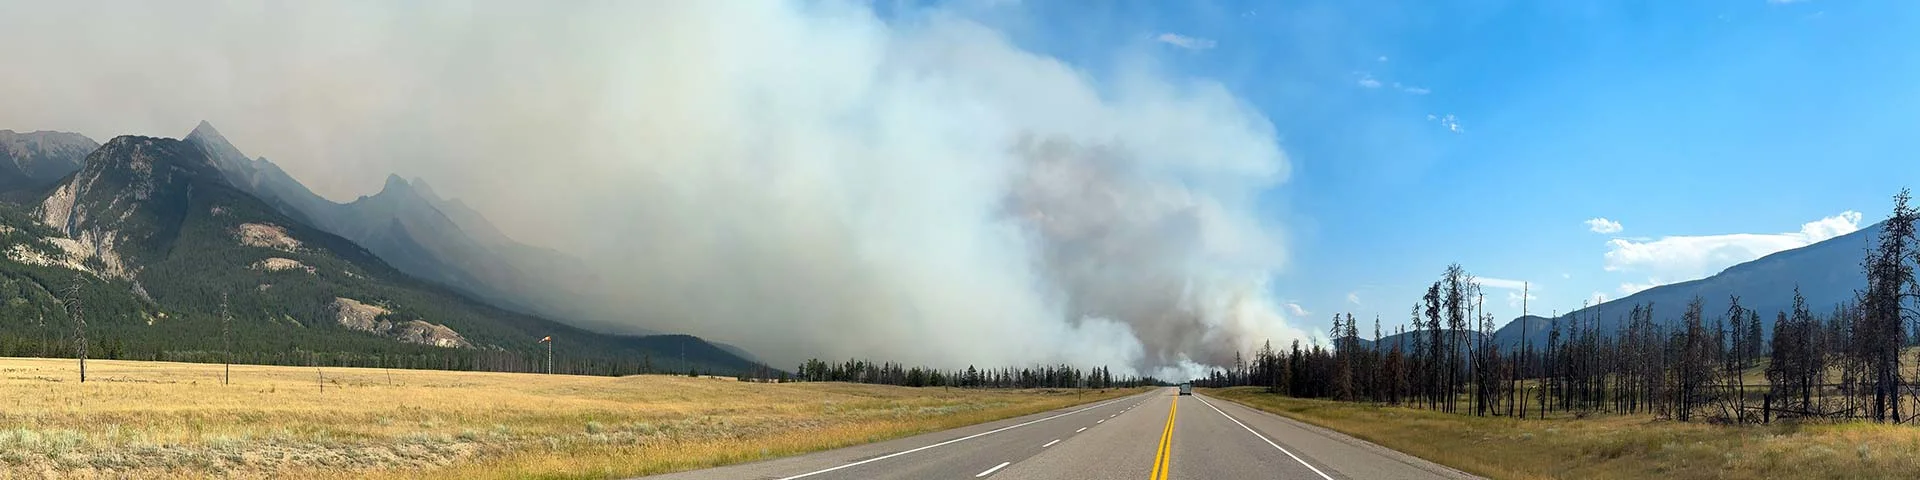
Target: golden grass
{"points": [[1612, 446], [175, 420]]}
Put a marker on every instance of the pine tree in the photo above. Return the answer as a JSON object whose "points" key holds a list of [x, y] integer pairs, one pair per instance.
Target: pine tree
{"points": [[1881, 334]]}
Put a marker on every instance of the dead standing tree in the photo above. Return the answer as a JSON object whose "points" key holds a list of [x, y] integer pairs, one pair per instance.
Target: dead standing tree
{"points": [[1880, 333]]}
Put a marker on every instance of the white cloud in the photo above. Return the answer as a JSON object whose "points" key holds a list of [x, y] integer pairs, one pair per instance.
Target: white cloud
{"points": [[1383, 58], [1566, 275], [1186, 42], [1353, 298], [1603, 225], [1367, 81], [1504, 284], [1297, 311], [1449, 121], [1597, 298], [1682, 258]]}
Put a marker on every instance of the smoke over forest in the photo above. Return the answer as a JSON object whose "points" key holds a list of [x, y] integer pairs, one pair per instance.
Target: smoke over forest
{"points": [[804, 179]]}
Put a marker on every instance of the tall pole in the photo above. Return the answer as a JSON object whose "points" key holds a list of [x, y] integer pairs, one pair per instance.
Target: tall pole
{"points": [[226, 339], [549, 341], [79, 323], [1479, 338], [1520, 351]]}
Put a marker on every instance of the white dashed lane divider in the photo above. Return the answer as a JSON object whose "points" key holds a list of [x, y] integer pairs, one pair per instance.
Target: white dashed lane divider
{"points": [[949, 442], [990, 471]]}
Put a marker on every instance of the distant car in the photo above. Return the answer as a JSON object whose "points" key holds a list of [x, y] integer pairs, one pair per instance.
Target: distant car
{"points": [[1186, 389]]}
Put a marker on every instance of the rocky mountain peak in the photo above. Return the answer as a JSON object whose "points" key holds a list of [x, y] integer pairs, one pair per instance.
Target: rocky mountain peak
{"points": [[396, 191], [205, 131], [35, 159], [395, 183], [221, 152]]}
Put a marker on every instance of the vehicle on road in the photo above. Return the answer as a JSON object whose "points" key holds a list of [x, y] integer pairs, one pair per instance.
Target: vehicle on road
{"points": [[1186, 388]]}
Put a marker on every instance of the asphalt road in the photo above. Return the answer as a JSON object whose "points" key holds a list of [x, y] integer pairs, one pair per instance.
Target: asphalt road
{"points": [[1156, 436]]}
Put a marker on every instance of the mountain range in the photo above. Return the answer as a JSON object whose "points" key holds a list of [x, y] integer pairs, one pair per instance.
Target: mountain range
{"points": [[422, 234], [1827, 273], [150, 231], [33, 161], [159, 237]]}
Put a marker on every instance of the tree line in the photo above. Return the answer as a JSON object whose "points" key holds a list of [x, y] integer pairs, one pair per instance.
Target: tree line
{"points": [[1712, 366], [892, 373]]}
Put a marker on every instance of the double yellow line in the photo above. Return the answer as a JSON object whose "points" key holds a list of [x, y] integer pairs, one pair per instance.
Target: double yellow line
{"points": [[1163, 458]]}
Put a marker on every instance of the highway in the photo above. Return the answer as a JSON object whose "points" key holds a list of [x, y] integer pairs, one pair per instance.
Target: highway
{"points": [[1159, 435]]}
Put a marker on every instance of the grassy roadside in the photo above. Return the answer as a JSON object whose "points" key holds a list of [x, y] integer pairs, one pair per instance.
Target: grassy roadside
{"points": [[173, 420], [1611, 446]]}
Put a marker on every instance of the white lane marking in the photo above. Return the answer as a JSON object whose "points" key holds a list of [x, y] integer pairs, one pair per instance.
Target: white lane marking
{"points": [[1082, 429], [991, 470], [1264, 438], [948, 442], [1101, 421], [1049, 444]]}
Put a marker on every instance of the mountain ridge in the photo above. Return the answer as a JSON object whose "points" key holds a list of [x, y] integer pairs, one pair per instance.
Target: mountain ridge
{"points": [[407, 224], [37, 159], [157, 240], [1826, 274]]}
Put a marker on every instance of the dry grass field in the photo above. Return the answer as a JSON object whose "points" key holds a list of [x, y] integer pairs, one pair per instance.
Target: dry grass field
{"points": [[1612, 446], [175, 420]]}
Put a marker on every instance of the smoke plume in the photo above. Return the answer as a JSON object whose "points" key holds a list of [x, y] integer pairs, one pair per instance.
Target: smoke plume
{"points": [[798, 178]]}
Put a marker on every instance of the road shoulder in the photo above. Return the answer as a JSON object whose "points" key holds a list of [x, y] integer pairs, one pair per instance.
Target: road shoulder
{"points": [[1329, 449]]}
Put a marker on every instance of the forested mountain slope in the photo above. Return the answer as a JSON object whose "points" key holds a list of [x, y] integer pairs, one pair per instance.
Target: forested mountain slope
{"points": [[150, 236], [418, 232], [1827, 274]]}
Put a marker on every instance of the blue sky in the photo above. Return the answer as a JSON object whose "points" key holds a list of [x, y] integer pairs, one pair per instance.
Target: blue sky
{"points": [[1490, 132]]}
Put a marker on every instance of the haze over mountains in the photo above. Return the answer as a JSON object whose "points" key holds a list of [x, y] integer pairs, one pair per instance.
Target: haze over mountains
{"points": [[443, 241], [159, 243], [416, 231], [799, 179], [37, 159]]}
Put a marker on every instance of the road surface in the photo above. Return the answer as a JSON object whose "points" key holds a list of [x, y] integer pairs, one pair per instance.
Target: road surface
{"points": [[1155, 436]]}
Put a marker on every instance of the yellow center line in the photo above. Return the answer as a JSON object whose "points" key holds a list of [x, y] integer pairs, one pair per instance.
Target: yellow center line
{"points": [[1163, 459]]}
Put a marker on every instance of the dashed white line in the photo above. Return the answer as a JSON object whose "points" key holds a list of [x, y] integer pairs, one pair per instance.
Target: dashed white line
{"points": [[1082, 429], [1049, 444], [991, 470], [1264, 438], [1101, 421], [948, 442]]}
